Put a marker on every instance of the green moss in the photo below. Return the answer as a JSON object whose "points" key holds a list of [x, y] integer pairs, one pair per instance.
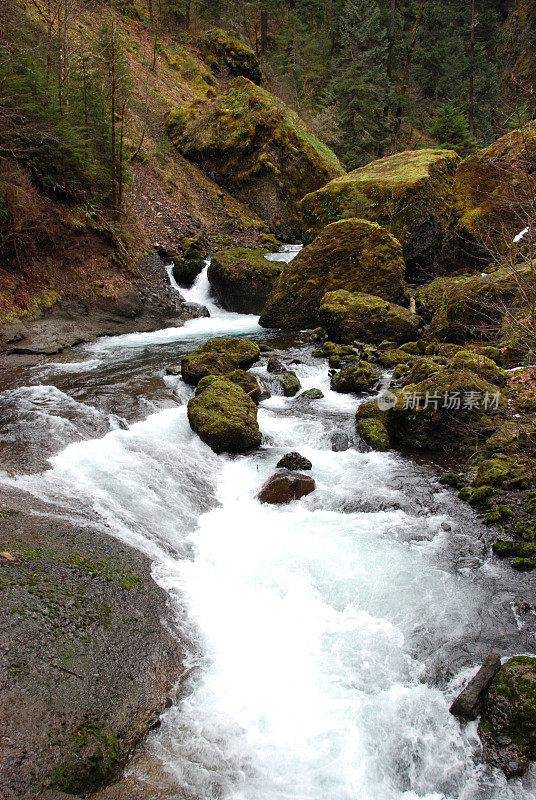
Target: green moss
{"points": [[374, 433], [526, 530], [247, 382], [312, 394], [242, 278], [347, 316], [523, 564], [481, 493], [223, 416], [97, 763], [451, 479], [219, 356], [492, 518], [224, 52], [481, 365], [505, 549], [504, 511], [358, 377], [504, 472], [290, 383]]}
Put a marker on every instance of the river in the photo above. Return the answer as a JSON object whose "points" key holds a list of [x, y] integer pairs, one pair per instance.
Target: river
{"points": [[326, 639]]}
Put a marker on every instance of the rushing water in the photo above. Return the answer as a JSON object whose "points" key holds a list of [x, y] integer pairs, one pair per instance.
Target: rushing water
{"points": [[326, 638]]}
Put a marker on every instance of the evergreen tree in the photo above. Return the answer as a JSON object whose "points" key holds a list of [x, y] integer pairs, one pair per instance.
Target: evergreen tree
{"points": [[451, 128], [358, 89]]}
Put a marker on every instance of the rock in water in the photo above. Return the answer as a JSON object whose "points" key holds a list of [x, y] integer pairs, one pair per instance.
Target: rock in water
{"points": [[256, 147], [357, 378], [219, 356], [223, 416], [242, 279], [410, 193], [283, 487], [469, 702], [294, 461], [290, 383], [340, 442], [347, 316], [352, 254], [508, 722], [248, 382]]}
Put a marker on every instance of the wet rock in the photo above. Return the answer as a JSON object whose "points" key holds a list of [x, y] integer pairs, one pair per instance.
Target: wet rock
{"points": [[469, 702], [294, 461], [508, 723], [275, 367], [248, 382], [290, 383], [372, 425], [312, 394], [410, 193], [196, 310], [186, 270], [219, 356], [223, 416], [242, 279], [356, 378], [353, 255], [283, 487], [340, 442]]}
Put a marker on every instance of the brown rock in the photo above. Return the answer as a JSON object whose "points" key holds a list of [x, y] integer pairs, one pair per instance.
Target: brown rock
{"points": [[285, 486], [469, 702]]}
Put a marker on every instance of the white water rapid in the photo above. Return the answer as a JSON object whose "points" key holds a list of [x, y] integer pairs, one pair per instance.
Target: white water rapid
{"points": [[323, 635]]}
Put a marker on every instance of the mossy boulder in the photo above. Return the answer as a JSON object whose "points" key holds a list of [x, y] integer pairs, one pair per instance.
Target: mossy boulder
{"points": [[420, 370], [410, 193], [312, 394], [252, 144], [294, 462], [372, 425], [394, 357], [447, 409], [289, 382], [354, 255], [219, 356], [224, 416], [357, 378], [508, 723], [479, 363], [502, 471], [247, 382], [494, 190], [227, 56], [338, 355], [347, 316], [242, 279], [473, 307]]}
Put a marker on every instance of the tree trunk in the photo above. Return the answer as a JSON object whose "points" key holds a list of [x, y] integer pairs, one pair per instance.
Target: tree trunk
{"points": [[472, 71], [264, 30], [405, 75]]}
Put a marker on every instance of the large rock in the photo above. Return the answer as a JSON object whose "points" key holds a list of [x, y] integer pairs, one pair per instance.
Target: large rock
{"points": [[242, 279], [285, 486], [359, 377], [494, 196], [219, 356], [223, 416], [256, 147], [352, 254], [508, 723], [227, 56], [294, 461], [469, 702], [347, 316], [410, 194], [469, 307]]}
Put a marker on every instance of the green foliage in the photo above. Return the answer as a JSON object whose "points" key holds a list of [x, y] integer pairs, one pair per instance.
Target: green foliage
{"points": [[451, 129]]}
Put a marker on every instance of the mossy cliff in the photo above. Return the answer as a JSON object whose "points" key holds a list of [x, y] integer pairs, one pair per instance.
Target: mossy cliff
{"points": [[252, 144], [242, 279], [410, 194], [224, 416], [353, 254]]}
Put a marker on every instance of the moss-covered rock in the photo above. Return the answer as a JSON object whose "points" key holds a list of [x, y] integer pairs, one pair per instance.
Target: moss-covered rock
{"points": [[372, 425], [494, 191], [410, 194], [294, 462], [247, 382], [447, 409], [469, 307], [312, 394], [357, 378], [242, 279], [256, 147], [420, 370], [228, 56], [290, 383], [479, 363], [347, 316], [504, 548], [219, 356], [508, 722], [504, 472], [353, 254], [223, 416], [394, 357]]}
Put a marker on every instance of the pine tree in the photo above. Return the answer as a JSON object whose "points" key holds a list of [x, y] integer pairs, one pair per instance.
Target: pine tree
{"points": [[358, 89], [451, 128]]}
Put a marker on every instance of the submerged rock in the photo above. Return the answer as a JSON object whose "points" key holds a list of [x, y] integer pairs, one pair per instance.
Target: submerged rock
{"points": [[508, 722], [347, 316], [352, 254], [219, 356], [294, 461], [256, 147], [223, 416], [469, 702], [283, 487], [242, 279], [410, 193]]}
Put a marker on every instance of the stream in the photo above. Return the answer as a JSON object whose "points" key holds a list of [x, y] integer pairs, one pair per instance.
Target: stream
{"points": [[326, 639]]}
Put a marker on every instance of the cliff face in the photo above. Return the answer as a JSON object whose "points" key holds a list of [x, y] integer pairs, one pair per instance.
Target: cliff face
{"points": [[516, 52]]}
